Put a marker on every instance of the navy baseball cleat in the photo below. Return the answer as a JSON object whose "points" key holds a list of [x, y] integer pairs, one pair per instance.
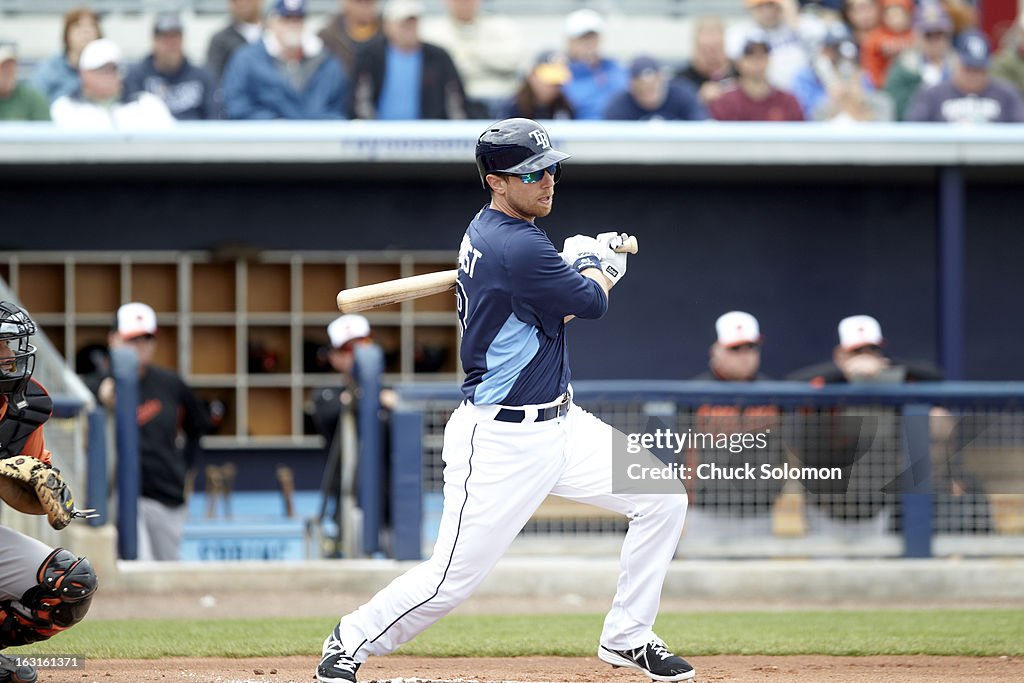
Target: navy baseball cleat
{"points": [[654, 659], [336, 666], [11, 672]]}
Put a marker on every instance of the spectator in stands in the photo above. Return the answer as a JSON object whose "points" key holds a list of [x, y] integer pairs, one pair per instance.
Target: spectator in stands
{"points": [[101, 103], [188, 91], [893, 35], [58, 76], [814, 19], [540, 95], [753, 98], [963, 14], [171, 421], [1009, 62], [727, 508], [18, 101], [777, 20], [835, 88], [651, 96], [286, 74], [929, 63], [861, 17], [595, 79], [405, 78], [710, 69], [972, 95], [813, 81], [860, 357], [246, 28], [831, 11], [357, 24], [488, 51]]}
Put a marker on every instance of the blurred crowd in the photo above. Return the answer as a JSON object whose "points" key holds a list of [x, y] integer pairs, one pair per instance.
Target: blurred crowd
{"points": [[786, 60]]}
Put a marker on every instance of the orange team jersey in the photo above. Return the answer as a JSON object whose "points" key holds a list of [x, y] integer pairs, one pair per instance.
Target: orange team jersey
{"points": [[34, 446], [728, 420], [880, 47]]}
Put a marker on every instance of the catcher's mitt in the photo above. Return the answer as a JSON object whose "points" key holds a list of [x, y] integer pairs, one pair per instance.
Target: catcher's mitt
{"points": [[36, 488]]}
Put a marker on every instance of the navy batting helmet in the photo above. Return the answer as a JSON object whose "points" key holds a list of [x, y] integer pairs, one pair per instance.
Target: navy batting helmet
{"points": [[515, 146]]}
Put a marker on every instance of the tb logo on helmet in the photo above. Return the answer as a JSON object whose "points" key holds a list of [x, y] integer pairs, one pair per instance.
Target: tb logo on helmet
{"points": [[541, 138]]}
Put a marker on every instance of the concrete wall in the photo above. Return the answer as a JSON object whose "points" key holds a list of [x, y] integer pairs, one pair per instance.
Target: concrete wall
{"points": [[826, 581]]}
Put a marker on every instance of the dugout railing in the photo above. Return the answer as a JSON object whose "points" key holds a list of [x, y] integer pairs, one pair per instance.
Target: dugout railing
{"points": [[929, 469]]}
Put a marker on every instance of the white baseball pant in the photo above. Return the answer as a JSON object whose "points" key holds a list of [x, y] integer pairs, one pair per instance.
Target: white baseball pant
{"points": [[496, 475]]}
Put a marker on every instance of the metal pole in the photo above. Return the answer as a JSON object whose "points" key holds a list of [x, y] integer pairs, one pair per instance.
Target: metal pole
{"points": [[125, 365], [96, 490], [369, 364], [916, 482], [950, 275], [406, 484]]}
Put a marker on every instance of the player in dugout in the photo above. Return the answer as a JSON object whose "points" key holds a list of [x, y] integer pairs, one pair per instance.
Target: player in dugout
{"points": [[731, 508], [171, 421]]}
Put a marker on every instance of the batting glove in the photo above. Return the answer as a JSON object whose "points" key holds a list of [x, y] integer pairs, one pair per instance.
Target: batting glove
{"points": [[582, 252], [613, 264]]}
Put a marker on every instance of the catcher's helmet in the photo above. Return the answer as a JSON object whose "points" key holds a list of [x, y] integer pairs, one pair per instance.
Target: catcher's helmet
{"points": [[19, 360], [515, 146]]}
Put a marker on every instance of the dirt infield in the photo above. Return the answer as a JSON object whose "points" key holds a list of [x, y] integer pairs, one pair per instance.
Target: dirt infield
{"points": [[803, 669]]}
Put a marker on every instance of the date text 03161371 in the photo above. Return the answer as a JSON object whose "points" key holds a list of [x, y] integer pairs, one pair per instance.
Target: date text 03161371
{"points": [[49, 661]]}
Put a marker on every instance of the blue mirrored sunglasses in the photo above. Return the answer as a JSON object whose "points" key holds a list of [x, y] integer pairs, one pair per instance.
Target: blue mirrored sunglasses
{"points": [[536, 176]]}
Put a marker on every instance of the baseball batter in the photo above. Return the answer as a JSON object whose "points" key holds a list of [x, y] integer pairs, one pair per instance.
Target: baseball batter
{"points": [[42, 590], [518, 436]]}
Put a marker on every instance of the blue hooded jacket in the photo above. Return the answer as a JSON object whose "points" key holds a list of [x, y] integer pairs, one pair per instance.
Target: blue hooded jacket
{"points": [[256, 88]]}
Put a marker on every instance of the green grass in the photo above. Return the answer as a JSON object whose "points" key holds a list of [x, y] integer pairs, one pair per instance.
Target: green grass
{"points": [[903, 632]]}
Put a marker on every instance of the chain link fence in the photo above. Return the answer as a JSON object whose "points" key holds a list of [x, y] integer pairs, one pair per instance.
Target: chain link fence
{"points": [[831, 478]]}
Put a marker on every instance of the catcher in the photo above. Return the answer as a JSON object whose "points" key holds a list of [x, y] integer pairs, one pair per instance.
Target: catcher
{"points": [[42, 590]]}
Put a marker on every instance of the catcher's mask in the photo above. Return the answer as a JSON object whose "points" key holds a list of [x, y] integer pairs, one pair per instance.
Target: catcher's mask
{"points": [[17, 356]]}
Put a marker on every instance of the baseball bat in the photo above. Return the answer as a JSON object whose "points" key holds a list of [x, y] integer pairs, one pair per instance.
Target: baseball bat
{"points": [[395, 291]]}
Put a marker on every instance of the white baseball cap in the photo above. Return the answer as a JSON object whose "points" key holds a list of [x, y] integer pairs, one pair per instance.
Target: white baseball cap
{"points": [[8, 51], [98, 54], [346, 328], [400, 10], [736, 327], [135, 320], [583, 21], [859, 330]]}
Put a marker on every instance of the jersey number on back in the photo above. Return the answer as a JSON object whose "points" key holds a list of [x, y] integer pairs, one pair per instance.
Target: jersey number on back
{"points": [[468, 257], [461, 305]]}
